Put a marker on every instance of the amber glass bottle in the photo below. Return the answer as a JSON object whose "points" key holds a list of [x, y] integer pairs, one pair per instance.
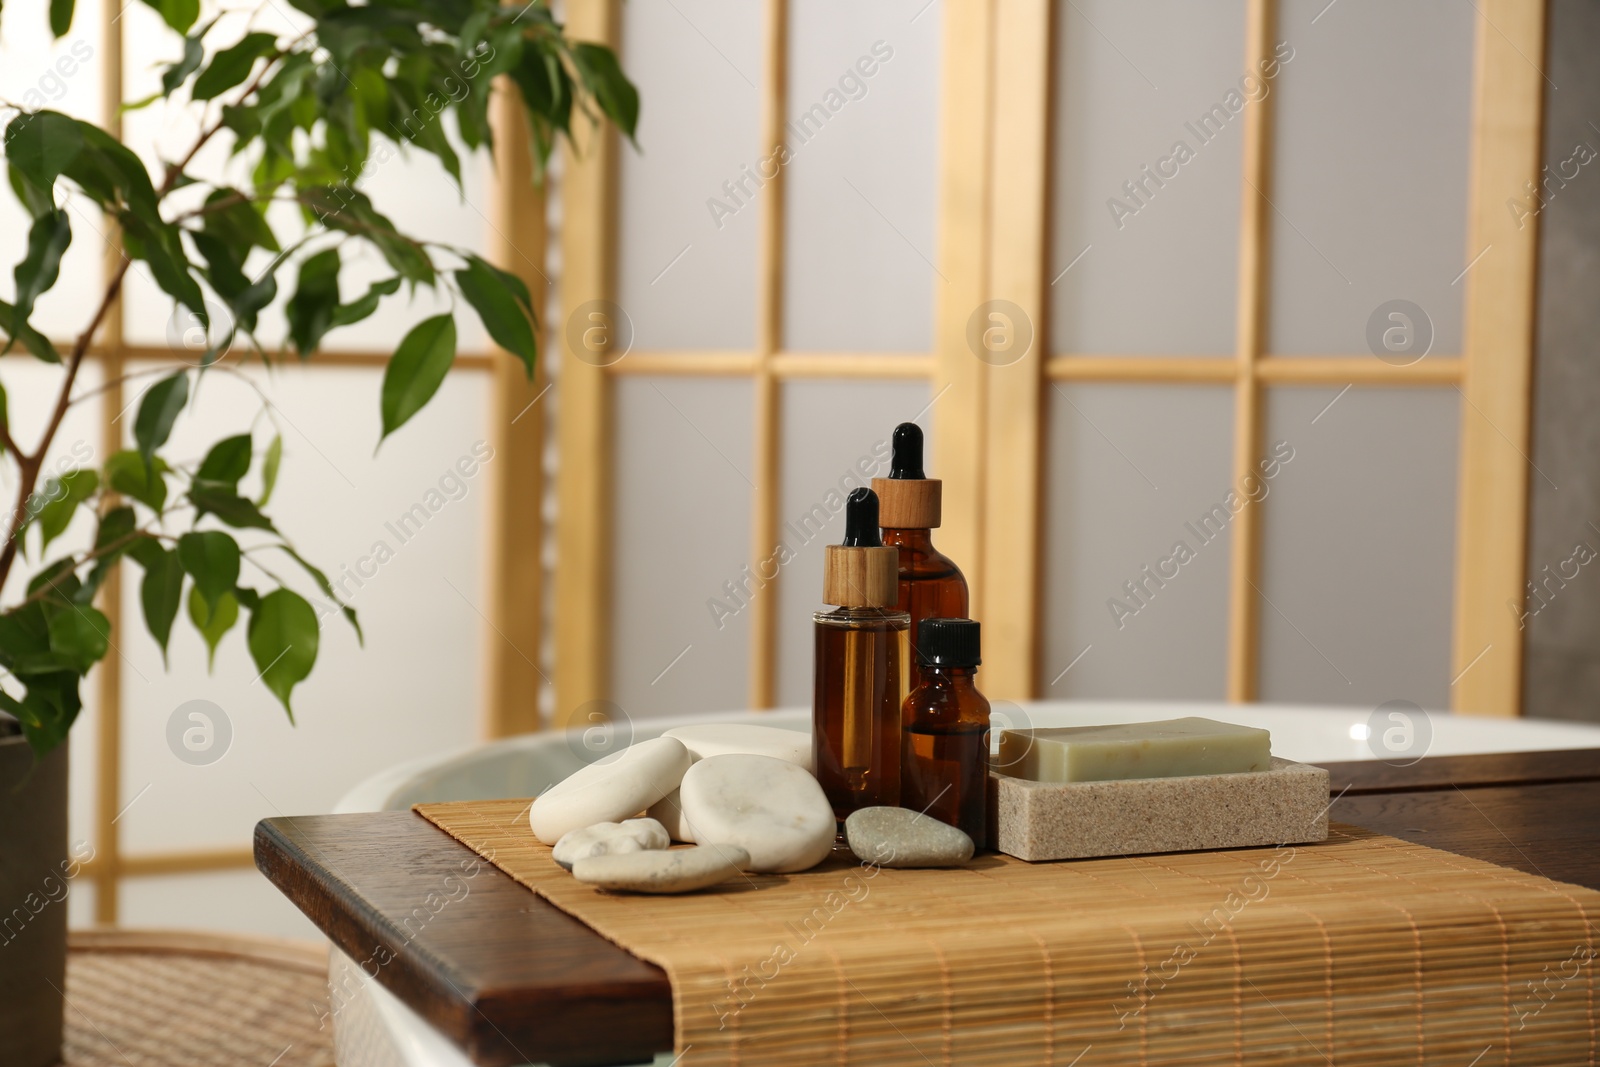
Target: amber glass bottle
{"points": [[944, 761], [858, 685], [931, 586]]}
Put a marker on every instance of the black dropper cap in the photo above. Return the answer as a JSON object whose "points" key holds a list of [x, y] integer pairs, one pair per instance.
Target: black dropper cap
{"points": [[861, 519], [907, 461], [948, 642]]}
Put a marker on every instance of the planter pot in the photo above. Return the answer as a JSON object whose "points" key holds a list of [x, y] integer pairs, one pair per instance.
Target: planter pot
{"points": [[34, 870]]}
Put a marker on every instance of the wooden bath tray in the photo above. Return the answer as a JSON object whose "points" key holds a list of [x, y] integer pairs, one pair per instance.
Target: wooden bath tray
{"points": [[513, 980]]}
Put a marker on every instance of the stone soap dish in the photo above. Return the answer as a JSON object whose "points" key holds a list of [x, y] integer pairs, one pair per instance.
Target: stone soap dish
{"points": [[1285, 804]]}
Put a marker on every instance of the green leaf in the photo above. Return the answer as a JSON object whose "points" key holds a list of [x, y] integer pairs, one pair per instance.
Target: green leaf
{"points": [[310, 311], [225, 258], [502, 302], [223, 262], [31, 339], [25, 639], [327, 589], [160, 593], [176, 74], [227, 462], [417, 369], [234, 219], [158, 411], [231, 508], [110, 173], [146, 550], [283, 642], [602, 76], [341, 207], [160, 245], [112, 539], [54, 506], [80, 635], [60, 17], [56, 584], [128, 474], [140, 104], [41, 146], [47, 710], [212, 558], [179, 14], [269, 470], [48, 239], [354, 312], [212, 622], [248, 304], [231, 66], [37, 201]]}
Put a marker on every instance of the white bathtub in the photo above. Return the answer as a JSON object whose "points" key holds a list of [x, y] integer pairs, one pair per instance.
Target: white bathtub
{"points": [[373, 1029]]}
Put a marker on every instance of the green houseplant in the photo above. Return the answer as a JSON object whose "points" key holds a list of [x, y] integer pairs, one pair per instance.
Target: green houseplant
{"points": [[303, 116]]}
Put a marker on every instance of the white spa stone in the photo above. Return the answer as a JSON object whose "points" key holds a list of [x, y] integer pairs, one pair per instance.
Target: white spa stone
{"points": [[769, 807], [734, 738], [681, 870], [668, 811], [615, 788], [723, 739], [610, 839]]}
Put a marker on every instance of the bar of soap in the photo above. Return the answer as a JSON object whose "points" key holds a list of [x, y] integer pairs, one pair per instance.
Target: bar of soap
{"points": [[1174, 748]]}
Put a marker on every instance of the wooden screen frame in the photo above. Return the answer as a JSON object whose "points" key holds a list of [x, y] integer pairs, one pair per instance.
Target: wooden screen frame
{"points": [[995, 123], [994, 180]]}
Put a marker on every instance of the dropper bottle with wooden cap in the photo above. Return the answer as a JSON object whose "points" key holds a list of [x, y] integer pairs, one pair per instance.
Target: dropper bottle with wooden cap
{"points": [[931, 586], [859, 675]]}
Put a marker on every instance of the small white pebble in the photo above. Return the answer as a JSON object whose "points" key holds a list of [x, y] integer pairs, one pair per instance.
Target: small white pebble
{"points": [[610, 839]]}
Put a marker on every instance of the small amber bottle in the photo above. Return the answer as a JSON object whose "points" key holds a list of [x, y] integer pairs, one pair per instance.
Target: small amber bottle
{"points": [[944, 762], [859, 667], [931, 585]]}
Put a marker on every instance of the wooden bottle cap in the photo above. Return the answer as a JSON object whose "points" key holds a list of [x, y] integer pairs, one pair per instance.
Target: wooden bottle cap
{"points": [[908, 503], [855, 577]]}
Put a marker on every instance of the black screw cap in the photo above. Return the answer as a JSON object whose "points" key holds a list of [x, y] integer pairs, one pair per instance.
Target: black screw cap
{"points": [[948, 642]]}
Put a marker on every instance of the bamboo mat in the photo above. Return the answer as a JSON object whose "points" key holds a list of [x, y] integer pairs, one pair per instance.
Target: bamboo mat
{"points": [[1360, 950]]}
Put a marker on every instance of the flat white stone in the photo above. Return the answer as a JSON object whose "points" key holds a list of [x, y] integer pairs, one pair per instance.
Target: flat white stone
{"points": [[610, 839], [615, 788], [681, 870], [733, 738], [724, 739], [769, 807]]}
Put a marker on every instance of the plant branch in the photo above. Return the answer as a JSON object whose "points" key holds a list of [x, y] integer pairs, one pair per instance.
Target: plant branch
{"points": [[29, 464], [89, 557], [175, 170]]}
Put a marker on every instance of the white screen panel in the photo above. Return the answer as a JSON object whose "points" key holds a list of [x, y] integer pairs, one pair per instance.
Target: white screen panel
{"points": [[862, 193], [400, 533], [1133, 472], [1370, 152], [1155, 85], [686, 268], [682, 511], [40, 74], [1359, 547], [835, 437]]}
